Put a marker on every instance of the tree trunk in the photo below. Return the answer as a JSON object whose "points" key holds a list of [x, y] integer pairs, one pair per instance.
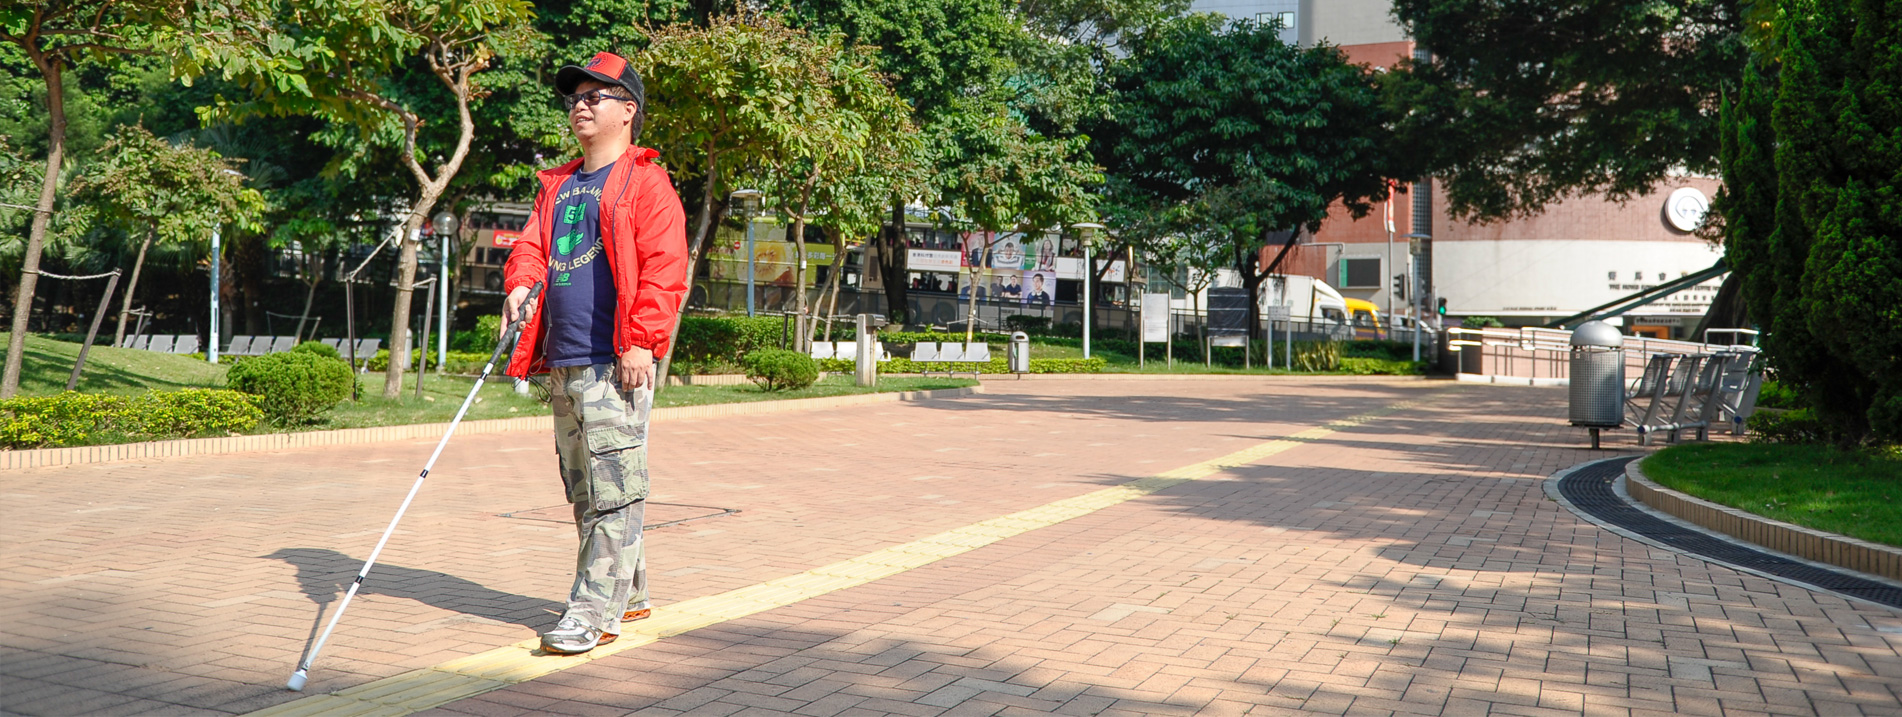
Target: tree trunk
{"points": [[253, 264], [51, 69], [697, 244], [892, 266], [405, 288], [832, 280], [125, 302], [801, 343], [1727, 310], [314, 270], [431, 189]]}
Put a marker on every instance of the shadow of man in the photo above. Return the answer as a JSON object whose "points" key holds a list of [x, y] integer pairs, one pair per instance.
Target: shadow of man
{"points": [[323, 575]]}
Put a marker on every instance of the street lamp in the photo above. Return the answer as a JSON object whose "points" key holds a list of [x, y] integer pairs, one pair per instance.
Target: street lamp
{"points": [[748, 202], [211, 352], [444, 225], [1084, 231]]}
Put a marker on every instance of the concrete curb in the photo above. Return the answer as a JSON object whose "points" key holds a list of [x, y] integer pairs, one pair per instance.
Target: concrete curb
{"points": [[1512, 380], [81, 455], [1807, 543]]}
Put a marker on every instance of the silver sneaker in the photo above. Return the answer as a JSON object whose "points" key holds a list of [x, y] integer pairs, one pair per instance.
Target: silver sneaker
{"points": [[570, 637]]}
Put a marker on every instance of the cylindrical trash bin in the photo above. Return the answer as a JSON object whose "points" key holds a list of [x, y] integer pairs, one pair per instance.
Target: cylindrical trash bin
{"points": [[1597, 377], [1019, 352]]}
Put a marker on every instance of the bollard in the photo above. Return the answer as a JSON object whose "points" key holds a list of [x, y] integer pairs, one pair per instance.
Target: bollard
{"points": [[867, 364]]}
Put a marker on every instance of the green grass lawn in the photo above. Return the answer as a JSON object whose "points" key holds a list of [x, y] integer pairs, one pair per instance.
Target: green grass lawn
{"points": [[1854, 493], [128, 371], [48, 362]]}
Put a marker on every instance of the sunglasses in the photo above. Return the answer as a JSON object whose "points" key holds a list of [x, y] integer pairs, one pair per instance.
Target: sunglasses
{"points": [[592, 97]]}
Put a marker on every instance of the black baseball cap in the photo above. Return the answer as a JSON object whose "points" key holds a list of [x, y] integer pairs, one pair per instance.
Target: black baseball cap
{"points": [[605, 67]]}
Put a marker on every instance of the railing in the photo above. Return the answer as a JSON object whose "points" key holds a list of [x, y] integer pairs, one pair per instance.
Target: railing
{"points": [[1541, 356]]}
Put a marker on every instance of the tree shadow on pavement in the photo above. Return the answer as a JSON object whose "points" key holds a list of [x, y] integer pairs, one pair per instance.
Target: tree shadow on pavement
{"points": [[323, 575], [1253, 404]]}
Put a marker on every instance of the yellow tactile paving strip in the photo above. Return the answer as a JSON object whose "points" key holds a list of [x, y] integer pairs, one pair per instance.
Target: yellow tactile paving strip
{"points": [[476, 674]]}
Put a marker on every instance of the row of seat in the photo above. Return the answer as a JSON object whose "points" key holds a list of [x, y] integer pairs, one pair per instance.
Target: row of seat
{"points": [[162, 343], [846, 350], [365, 347], [952, 352]]}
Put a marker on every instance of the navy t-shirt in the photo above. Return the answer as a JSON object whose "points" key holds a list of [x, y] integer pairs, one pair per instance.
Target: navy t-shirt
{"points": [[580, 310]]}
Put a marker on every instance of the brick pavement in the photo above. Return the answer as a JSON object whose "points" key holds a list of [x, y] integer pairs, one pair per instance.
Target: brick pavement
{"points": [[1407, 566]]}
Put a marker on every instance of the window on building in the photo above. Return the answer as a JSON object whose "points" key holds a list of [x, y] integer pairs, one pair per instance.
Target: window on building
{"points": [[1360, 273]]}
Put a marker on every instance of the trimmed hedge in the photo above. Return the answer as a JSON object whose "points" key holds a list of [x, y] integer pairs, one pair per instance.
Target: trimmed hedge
{"points": [[295, 387], [460, 362], [719, 344], [1381, 367], [998, 364], [73, 418], [779, 369], [319, 348], [1788, 426]]}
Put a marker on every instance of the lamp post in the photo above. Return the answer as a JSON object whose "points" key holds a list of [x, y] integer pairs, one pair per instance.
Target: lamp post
{"points": [[748, 201], [211, 352], [444, 225], [1084, 231], [1417, 248]]}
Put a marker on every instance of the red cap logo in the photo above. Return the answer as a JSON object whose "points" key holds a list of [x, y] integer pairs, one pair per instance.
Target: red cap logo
{"points": [[608, 63]]}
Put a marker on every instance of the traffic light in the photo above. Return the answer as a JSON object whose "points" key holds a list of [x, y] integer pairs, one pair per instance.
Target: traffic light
{"points": [[1400, 287], [1442, 307]]}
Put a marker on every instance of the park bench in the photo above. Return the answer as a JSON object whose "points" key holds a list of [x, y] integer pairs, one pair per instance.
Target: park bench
{"points": [[162, 343], [958, 357], [1694, 392], [846, 350]]}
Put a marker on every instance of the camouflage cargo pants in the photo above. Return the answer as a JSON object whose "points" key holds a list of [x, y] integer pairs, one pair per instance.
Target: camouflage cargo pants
{"points": [[601, 438]]}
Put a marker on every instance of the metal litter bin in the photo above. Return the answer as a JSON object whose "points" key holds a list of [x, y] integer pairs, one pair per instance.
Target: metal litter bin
{"points": [[1019, 352], [1597, 377]]}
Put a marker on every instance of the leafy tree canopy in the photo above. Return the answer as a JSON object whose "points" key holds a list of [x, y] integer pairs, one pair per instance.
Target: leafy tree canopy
{"points": [[1525, 102]]}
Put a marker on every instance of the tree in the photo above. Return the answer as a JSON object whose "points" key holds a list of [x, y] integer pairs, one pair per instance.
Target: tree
{"points": [[852, 109], [344, 61], [1816, 133], [150, 188], [726, 99], [1240, 137], [993, 173], [55, 34], [1526, 102]]}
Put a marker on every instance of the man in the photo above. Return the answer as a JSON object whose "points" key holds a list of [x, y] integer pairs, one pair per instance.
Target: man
{"points": [[607, 239]]}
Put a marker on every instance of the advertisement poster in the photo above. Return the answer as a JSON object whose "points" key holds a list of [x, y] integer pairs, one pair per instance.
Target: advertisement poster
{"points": [[1007, 284], [1040, 254], [1040, 287], [1007, 251], [1156, 318], [774, 260], [973, 245], [506, 238], [932, 260]]}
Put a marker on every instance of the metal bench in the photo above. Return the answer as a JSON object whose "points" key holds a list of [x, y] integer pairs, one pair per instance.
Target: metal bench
{"points": [[968, 356], [161, 343], [1694, 392], [279, 344], [186, 344]]}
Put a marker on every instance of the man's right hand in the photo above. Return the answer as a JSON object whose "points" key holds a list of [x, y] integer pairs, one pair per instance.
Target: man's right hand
{"points": [[512, 309]]}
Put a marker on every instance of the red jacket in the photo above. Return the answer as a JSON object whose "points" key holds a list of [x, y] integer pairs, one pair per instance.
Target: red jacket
{"points": [[643, 235]]}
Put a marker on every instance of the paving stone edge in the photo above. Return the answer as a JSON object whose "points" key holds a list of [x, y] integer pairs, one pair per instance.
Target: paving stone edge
{"points": [[1808, 543], [80, 455]]}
